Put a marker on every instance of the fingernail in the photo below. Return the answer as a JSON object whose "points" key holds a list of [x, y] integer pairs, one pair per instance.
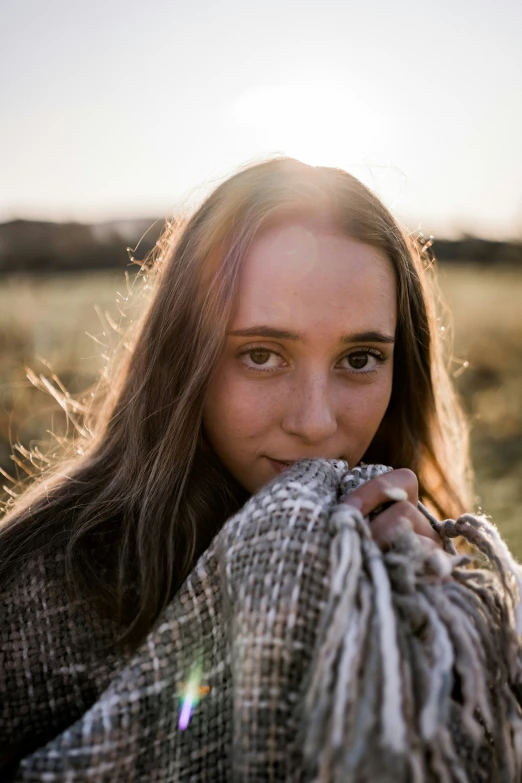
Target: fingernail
{"points": [[355, 502], [396, 493]]}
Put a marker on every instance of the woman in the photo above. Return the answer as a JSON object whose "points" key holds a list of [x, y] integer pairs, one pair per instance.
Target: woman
{"points": [[291, 318]]}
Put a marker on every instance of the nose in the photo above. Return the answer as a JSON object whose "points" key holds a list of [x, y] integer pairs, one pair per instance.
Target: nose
{"points": [[310, 412]]}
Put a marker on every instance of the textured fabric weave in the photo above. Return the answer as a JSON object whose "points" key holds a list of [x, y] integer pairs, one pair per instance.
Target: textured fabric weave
{"points": [[249, 618]]}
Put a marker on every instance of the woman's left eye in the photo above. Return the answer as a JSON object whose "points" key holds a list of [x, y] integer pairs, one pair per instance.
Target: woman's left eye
{"points": [[363, 360], [261, 359]]}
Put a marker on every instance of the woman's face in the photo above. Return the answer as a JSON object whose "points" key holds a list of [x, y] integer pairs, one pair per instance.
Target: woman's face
{"points": [[307, 367]]}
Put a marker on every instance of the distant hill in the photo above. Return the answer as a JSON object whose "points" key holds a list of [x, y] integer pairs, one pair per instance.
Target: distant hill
{"points": [[36, 246], [39, 246], [479, 251]]}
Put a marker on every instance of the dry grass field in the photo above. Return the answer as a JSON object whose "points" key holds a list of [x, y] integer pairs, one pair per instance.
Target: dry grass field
{"points": [[486, 308], [50, 319]]}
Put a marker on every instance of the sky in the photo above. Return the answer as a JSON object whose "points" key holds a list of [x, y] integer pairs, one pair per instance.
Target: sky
{"points": [[112, 109]]}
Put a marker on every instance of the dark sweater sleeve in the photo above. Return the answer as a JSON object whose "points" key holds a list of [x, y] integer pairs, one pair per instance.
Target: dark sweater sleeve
{"points": [[56, 657]]}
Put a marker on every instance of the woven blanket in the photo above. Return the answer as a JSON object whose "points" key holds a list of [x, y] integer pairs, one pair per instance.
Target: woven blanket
{"points": [[295, 650]]}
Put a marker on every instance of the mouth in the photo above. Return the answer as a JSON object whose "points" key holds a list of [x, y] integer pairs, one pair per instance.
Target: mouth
{"points": [[280, 465]]}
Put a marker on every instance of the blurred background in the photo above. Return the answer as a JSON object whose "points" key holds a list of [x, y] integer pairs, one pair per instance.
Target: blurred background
{"points": [[119, 115]]}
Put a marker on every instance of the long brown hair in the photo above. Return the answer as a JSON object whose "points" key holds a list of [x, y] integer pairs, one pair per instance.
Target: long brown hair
{"points": [[147, 495]]}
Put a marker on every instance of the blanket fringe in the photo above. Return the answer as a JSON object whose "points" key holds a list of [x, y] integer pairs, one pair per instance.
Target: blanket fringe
{"points": [[418, 657]]}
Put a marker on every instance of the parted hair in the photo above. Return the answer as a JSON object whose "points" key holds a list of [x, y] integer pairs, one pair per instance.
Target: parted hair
{"points": [[145, 494]]}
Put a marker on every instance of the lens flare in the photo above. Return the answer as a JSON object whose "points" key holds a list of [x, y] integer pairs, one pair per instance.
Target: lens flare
{"points": [[191, 694]]}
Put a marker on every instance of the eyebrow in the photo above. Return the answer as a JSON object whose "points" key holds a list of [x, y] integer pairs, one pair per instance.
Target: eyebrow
{"points": [[284, 334]]}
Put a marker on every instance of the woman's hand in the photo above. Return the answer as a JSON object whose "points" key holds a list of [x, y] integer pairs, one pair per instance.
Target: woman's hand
{"points": [[402, 487]]}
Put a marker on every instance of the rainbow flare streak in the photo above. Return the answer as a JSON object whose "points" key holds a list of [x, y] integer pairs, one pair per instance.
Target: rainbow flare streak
{"points": [[191, 695], [185, 714]]}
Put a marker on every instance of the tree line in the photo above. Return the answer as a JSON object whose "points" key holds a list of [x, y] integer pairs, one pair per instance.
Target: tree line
{"points": [[28, 246]]}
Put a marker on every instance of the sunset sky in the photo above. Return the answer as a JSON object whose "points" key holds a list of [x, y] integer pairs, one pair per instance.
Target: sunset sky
{"points": [[113, 109]]}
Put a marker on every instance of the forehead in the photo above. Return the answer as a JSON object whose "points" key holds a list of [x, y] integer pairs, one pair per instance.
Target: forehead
{"points": [[300, 276]]}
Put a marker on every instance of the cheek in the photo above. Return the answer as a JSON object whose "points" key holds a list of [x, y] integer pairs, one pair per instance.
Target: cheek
{"points": [[378, 401], [236, 410], [366, 410], [378, 412]]}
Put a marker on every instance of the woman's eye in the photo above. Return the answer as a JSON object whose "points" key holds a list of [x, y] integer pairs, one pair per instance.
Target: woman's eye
{"points": [[364, 361], [358, 360], [261, 359]]}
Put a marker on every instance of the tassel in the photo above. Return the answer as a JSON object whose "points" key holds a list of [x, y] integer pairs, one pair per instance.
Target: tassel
{"points": [[417, 674]]}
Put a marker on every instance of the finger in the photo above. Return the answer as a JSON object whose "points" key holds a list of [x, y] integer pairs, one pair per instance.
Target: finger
{"points": [[386, 540], [388, 524], [390, 518], [398, 485]]}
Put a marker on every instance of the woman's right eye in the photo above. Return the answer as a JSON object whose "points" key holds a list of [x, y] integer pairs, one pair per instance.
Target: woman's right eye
{"points": [[261, 359]]}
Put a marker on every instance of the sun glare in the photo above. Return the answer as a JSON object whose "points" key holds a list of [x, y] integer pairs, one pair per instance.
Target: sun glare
{"points": [[321, 123]]}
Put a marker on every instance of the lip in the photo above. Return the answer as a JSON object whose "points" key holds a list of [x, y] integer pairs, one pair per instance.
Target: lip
{"points": [[279, 465]]}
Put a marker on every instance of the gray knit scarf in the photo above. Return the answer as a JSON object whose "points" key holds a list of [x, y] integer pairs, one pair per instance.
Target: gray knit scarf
{"points": [[295, 651]]}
